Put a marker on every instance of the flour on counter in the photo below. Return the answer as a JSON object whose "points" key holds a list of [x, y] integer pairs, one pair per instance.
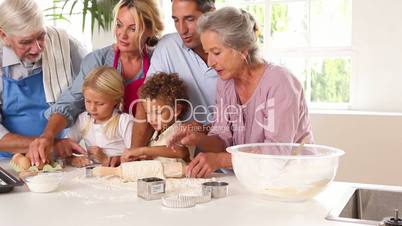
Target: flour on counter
{"points": [[184, 185], [113, 189]]}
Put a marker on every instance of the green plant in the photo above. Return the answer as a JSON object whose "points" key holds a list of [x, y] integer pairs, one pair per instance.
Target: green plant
{"points": [[100, 11]]}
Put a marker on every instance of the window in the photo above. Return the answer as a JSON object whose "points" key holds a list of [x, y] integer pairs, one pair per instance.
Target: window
{"points": [[312, 38], [72, 24]]}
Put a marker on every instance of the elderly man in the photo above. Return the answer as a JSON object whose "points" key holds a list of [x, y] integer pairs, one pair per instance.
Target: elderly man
{"points": [[37, 63]]}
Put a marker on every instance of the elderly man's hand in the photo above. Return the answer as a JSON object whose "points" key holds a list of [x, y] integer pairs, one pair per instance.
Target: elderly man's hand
{"points": [[40, 149], [206, 163]]}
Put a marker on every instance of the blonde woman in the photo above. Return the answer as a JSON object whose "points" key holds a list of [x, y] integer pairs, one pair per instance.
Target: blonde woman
{"points": [[105, 130], [137, 26]]}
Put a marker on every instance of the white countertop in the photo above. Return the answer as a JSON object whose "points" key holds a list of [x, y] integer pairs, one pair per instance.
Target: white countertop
{"points": [[62, 207]]}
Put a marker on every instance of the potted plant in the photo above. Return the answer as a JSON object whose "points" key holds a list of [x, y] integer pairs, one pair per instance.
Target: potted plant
{"points": [[100, 11]]}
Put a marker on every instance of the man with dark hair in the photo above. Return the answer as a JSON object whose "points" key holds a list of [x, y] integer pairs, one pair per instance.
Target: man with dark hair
{"points": [[182, 53], [204, 5]]}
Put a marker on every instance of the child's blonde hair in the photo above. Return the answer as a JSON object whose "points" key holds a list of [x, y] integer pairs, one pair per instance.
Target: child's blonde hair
{"points": [[107, 81]]}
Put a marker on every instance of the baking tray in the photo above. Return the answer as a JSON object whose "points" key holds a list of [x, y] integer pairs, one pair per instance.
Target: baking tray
{"points": [[8, 181]]}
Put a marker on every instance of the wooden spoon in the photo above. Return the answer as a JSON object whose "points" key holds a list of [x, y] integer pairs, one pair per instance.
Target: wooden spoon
{"points": [[298, 149]]}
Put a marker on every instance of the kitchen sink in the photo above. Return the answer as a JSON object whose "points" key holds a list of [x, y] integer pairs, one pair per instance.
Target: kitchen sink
{"points": [[366, 206]]}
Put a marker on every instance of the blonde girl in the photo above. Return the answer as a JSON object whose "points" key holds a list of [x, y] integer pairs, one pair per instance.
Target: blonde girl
{"points": [[105, 130]]}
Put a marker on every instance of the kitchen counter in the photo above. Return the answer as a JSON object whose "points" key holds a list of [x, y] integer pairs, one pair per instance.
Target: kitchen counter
{"points": [[59, 208]]}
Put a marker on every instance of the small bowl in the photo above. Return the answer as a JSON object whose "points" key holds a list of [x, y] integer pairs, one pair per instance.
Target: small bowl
{"points": [[44, 182], [217, 189]]}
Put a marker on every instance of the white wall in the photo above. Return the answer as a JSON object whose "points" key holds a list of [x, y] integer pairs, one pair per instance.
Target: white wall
{"points": [[372, 142], [101, 39], [377, 42]]}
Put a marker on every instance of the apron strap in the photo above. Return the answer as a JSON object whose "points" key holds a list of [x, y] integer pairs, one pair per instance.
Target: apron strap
{"points": [[145, 60], [116, 58], [6, 71]]}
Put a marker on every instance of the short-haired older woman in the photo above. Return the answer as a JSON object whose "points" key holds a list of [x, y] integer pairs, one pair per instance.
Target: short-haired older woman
{"points": [[256, 101], [137, 26], [37, 63]]}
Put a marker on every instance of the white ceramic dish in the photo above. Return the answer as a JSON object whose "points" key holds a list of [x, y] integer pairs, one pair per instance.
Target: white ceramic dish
{"points": [[44, 182]]}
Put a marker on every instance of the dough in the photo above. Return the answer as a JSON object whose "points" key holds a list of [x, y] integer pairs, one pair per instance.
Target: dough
{"points": [[132, 171]]}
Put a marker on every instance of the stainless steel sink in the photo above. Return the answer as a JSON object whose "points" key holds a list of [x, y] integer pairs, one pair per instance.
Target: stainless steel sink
{"points": [[366, 206]]}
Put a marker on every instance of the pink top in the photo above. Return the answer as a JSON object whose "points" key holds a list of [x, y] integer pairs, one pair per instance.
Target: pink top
{"points": [[276, 112]]}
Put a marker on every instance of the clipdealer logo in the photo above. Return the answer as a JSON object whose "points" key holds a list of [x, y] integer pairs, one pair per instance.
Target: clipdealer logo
{"points": [[231, 115]]}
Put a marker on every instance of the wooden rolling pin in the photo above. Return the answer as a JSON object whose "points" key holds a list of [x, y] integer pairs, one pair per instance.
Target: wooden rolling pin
{"points": [[132, 171]]}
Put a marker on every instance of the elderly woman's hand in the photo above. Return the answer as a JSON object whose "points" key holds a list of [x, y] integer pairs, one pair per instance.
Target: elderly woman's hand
{"points": [[206, 163]]}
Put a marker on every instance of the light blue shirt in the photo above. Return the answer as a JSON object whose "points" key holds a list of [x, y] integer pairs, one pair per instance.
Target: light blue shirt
{"points": [[71, 101], [172, 56]]}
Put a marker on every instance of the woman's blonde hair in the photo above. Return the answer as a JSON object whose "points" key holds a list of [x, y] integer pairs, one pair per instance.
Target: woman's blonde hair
{"points": [[20, 17], [107, 81], [147, 16]]}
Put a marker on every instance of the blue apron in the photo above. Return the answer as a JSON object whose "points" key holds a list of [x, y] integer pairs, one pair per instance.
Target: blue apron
{"points": [[24, 104]]}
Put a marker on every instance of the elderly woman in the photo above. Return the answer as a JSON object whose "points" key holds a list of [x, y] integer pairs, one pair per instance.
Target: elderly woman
{"points": [[256, 101], [37, 63], [137, 25]]}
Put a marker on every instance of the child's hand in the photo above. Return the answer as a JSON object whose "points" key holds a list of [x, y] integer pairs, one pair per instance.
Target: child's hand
{"points": [[133, 154], [79, 161], [96, 154], [113, 161], [65, 147]]}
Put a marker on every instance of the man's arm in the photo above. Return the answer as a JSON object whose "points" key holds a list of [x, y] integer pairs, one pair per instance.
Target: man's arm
{"points": [[56, 123], [15, 143], [142, 131], [212, 144]]}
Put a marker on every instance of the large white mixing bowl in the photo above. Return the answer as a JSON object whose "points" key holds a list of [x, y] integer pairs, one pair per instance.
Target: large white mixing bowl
{"points": [[272, 169]]}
